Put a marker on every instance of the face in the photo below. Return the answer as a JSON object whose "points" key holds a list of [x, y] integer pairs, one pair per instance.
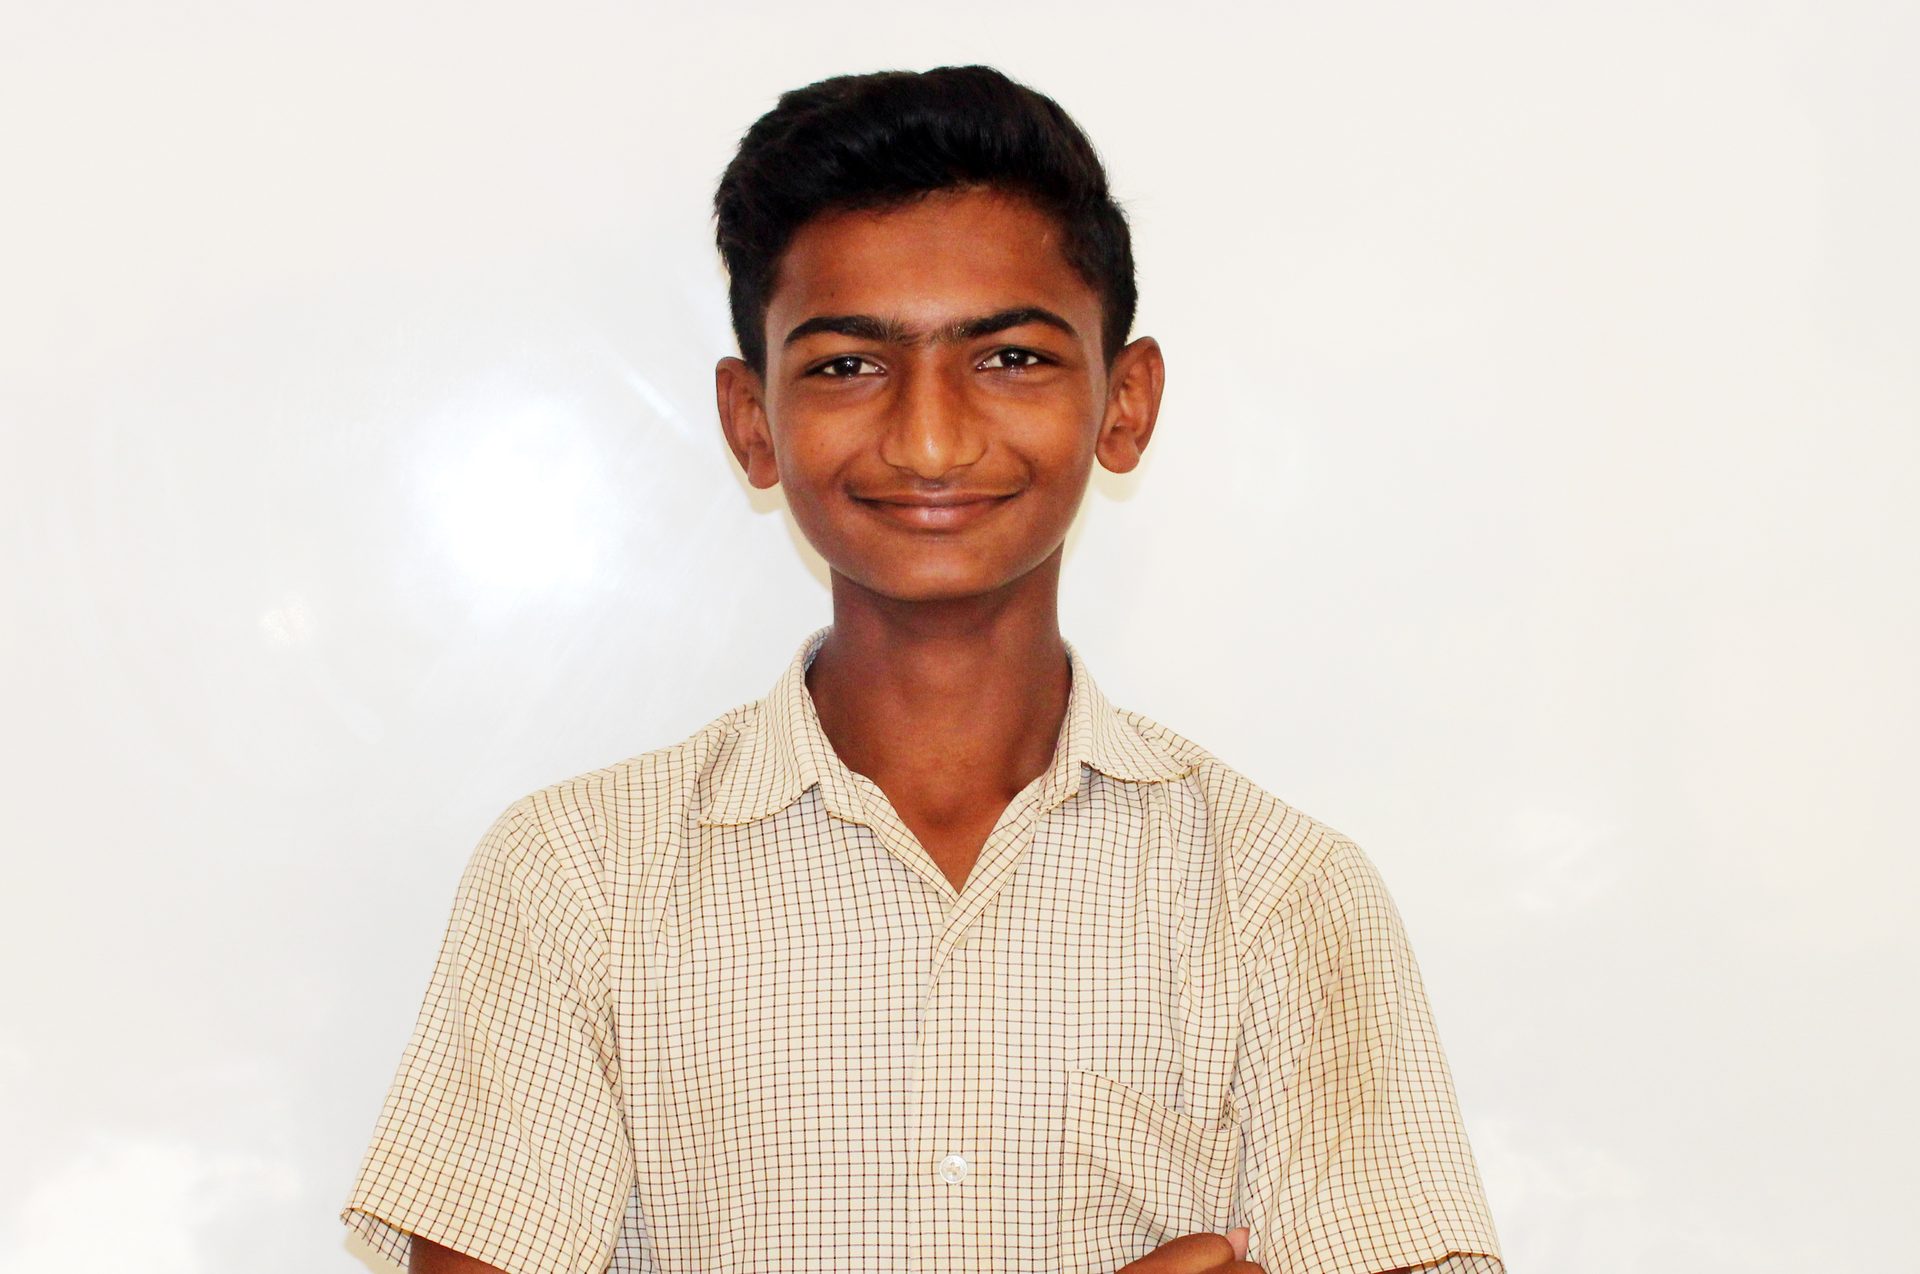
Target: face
{"points": [[934, 397]]}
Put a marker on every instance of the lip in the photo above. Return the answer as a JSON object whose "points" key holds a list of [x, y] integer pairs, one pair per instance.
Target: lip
{"points": [[943, 512]]}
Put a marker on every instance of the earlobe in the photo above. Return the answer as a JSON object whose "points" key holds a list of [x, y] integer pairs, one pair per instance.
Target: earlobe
{"points": [[1133, 404], [743, 421]]}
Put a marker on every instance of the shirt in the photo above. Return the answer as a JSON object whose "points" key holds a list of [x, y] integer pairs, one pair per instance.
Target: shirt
{"points": [[714, 1008]]}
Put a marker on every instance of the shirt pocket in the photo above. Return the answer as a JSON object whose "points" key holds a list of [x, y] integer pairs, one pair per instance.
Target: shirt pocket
{"points": [[1136, 1174]]}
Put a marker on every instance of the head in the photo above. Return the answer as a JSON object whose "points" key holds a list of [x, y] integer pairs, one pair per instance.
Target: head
{"points": [[885, 139], [932, 288]]}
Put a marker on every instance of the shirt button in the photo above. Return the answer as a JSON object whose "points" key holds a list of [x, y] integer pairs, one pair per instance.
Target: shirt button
{"points": [[953, 1169]]}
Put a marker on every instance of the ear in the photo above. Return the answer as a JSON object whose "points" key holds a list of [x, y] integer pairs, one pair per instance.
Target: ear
{"points": [[743, 419], [1133, 404]]}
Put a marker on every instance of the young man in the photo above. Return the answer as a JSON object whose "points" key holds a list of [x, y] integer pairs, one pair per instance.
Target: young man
{"points": [[932, 958]]}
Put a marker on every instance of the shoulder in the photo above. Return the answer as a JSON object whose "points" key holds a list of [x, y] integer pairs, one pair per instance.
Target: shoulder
{"points": [[584, 823], [1279, 860]]}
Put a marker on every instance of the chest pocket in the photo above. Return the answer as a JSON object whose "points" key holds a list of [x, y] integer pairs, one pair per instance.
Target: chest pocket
{"points": [[1137, 1173]]}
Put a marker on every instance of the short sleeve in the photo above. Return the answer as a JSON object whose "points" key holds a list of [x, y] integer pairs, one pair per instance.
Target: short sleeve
{"points": [[503, 1135], [1354, 1156]]}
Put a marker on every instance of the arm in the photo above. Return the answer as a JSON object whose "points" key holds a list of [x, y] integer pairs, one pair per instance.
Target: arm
{"points": [[1202, 1253], [503, 1136], [430, 1258], [1458, 1263], [1211, 1254], [1355, 1158]]}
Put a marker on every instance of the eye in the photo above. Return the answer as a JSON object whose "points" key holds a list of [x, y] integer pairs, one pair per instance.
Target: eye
{"points": [[1023, 359], [842, 367]]}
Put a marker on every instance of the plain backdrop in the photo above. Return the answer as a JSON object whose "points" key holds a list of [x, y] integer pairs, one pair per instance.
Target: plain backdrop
{"points": [[1533, 500]]}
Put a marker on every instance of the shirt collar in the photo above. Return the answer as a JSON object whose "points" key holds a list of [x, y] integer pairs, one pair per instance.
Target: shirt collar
{"points": [[782, 749]]}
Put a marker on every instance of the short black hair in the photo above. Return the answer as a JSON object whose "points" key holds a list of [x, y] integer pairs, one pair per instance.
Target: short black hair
{"points": [[885, 138]]}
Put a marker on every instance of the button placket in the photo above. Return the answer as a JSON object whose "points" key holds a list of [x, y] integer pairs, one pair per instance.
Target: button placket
{"points": [[950, 1169]]}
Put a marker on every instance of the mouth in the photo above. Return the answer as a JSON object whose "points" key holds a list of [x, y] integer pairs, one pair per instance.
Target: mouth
{"points": [[941, 515]]}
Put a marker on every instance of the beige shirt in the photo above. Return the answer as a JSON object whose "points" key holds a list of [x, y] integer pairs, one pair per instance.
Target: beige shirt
{"points": [[713, 1008]]}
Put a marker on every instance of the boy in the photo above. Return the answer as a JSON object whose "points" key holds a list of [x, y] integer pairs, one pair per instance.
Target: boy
{"points": [[931, 959]]}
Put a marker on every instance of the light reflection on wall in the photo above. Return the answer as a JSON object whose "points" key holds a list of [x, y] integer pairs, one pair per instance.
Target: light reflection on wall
{"points": [[516, 504], [138, 1204]]}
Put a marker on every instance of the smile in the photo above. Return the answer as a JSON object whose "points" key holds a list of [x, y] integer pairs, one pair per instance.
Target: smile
{"points": [[936, 517]]}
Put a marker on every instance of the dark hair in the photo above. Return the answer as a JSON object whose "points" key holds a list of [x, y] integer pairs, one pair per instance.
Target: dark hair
{"points": [[882, 139]]}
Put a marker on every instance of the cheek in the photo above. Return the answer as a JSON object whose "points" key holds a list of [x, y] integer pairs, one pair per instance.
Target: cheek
{"points": [[1051, 438], [1069, 459], [806, 465]]}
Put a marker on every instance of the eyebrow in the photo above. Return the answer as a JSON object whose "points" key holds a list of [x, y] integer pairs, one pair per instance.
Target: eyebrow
{"points": [[893, 332]]}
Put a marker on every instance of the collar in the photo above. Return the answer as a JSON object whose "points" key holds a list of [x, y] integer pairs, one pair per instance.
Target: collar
{"points": [[782, 749]]}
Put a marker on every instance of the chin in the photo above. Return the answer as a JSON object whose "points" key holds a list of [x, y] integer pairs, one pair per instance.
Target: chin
{"points": [[930, 584], [933, 590]]}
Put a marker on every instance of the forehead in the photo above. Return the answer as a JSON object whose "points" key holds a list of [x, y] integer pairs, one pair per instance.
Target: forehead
{"points": [[949, 252]]}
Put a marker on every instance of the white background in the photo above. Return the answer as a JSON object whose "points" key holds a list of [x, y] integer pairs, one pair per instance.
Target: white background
{"points": [[1534, 500]]}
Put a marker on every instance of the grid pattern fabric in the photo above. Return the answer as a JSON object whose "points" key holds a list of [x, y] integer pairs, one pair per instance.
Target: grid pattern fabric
{"points": [[714, 1008]]}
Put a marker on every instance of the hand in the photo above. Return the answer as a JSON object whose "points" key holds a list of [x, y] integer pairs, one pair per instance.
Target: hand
{"points": [[1203, 1253]]}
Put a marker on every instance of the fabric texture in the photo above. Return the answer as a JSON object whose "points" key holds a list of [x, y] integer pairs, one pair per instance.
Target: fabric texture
{"points": [[714, 1008]]}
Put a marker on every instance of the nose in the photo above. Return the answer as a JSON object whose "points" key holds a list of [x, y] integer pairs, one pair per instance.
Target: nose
{"points": [[931, 428]]}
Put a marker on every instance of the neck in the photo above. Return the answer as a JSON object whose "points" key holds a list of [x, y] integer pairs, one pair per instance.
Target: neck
{"points": [[945, 702]]}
